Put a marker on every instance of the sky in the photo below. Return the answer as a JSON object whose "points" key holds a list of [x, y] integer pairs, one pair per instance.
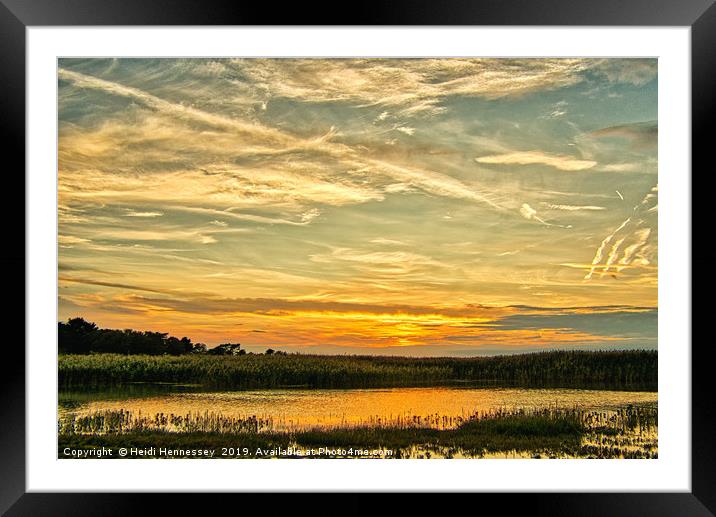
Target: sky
{"points": [[377, 206]]}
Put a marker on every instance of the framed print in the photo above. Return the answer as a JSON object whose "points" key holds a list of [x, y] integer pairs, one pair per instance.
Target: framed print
{"points": [[434, 251]]}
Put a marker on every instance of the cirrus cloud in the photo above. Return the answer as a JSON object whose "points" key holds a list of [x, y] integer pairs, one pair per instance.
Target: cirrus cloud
{"points": [[558, 161]]}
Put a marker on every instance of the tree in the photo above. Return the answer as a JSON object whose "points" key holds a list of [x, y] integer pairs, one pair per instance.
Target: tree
{"points": [[226, 349], [174, 346], [76, 336], [199, 348], [186, 345]]}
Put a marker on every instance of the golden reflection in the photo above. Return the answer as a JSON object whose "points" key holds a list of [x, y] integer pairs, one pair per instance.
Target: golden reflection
{"points": [[304, 409]]}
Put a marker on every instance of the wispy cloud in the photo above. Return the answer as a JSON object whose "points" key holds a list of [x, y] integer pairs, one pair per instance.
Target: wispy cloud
{"points": [[622, 167], [344, 324], [410, 87], [132, 213], [70, 240], [176, 110], [530, 213], [573, 208], [633, 230], [643, 133], [633, 71], [561, 162], [338, 202]]}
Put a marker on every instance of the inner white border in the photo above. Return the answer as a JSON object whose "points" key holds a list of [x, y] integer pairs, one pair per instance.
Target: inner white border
{"points": [[670, 472]]}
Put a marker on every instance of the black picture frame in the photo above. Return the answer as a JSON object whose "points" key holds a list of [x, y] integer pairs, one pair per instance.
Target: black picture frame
{"points": [[17, 15]]}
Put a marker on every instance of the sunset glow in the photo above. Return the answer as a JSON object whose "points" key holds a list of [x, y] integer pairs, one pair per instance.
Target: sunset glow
{"points": [[408, 207]]}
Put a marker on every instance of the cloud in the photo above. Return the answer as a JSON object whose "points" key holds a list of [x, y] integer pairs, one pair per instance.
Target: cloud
{"points": [[68, 241], [409, 87], [622, 167], [600, 250], [640, 134], [179, 111], [407, 130], [324, 323], [232, 164], [641, 237], [639, 252], [435, 183], [527, 211], [558, 110], [310, 215], [112, 284], [232, 213], [288, 186], [530, 213], [390, 262], [132, 213], [388, 242], [285, 164], [465, 316], [573, 208], [613, 254], [561, 162], [634, 71], [203, 304], [136, 235], [622, 323], [624, 148]]}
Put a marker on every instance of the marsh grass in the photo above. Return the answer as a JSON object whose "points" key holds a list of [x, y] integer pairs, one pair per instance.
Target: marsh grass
{"points": [[613, 369], [629, 432]]}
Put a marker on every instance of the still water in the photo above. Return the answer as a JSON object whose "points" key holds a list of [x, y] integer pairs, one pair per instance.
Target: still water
{"points": [[302, 409]]}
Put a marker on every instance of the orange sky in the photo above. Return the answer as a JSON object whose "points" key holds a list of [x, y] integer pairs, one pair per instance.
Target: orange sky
{"points": [[421, 207]]}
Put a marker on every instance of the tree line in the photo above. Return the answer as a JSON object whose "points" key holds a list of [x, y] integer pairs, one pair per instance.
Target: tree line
{"points": [[79, 336]]}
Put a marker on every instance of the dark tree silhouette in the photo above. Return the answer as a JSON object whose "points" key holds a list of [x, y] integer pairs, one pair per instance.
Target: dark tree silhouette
{"points": [[79, 336], [199, 348], [226, 349], [75, 336]]}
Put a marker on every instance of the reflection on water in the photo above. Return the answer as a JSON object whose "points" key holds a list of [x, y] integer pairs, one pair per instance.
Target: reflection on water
{"points": [[302, 409]]}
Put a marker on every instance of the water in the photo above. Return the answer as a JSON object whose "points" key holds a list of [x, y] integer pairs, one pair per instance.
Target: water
{"points": [[293, 409]]}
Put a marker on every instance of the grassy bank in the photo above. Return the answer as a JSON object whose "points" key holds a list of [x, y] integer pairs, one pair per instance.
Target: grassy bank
{"points": [[519, 433], [544, 433], [617, 369]]}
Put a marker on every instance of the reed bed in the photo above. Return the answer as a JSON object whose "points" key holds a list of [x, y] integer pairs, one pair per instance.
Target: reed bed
{"points": [[614, 369]]}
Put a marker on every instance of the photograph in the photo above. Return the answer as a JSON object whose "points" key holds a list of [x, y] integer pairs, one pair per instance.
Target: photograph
{"points": [[357, 258]]}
